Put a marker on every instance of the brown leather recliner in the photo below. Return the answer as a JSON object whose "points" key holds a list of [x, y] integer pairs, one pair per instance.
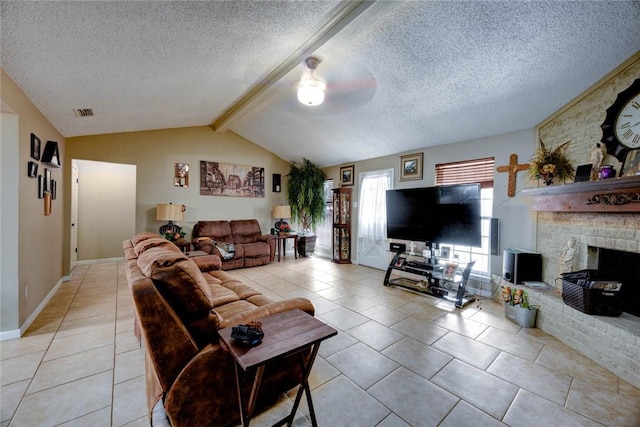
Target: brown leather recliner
{"points": [[180, 303], [252, 248]]}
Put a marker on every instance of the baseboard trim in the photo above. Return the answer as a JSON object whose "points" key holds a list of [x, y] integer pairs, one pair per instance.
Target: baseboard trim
{"points": [[17, 333], [97, 261]]}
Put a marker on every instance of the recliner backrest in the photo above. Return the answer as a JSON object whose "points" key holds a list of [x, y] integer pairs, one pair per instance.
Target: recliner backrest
{"points": [[245, 230]]}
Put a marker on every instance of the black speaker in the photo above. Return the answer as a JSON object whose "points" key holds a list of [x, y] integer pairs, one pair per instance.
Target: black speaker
{"points": [[518, 266], [276, 182], [494, 242], [397, 247]]}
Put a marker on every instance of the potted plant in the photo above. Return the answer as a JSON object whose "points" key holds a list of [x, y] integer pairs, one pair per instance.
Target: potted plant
{"points": [[547, 164], [305, 192], [517, 308]]}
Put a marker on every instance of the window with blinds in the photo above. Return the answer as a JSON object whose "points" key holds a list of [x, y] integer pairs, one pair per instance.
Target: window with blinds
{"points": [[467, 172]]}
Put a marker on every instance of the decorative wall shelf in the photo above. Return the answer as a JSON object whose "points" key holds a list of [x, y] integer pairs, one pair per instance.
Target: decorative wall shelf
{"points": [[607, 195]]}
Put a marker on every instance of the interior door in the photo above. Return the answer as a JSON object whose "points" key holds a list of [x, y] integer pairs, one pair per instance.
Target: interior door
{"points": [[373, 245], [74, 213]]}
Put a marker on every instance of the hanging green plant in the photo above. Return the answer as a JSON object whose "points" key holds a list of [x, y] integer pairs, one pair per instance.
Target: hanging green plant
{"points": [[547, 164]]}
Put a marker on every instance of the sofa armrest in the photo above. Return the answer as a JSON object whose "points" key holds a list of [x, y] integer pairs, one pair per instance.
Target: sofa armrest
{"points": [[267, 310], [169, 344], [271, 240], [267, 238], [208, 246], [203, 391], [208, 263]]}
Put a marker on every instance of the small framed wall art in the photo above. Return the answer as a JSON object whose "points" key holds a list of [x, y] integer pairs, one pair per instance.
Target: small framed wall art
{"points": [[47, 180], [346, 175], [276, 179], [32, 170], [181, 175], [411, 167], [40, 186], [35, 147]]}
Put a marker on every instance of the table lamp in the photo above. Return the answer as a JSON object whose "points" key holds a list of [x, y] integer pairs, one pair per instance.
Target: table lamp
{"points": [[282, 212], [170, 213]]}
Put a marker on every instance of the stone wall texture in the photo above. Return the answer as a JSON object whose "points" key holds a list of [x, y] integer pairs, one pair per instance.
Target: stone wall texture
{"points": [[611, 342]]}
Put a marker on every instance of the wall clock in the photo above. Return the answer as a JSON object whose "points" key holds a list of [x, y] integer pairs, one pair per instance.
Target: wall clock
{"points": [[621, 126]]}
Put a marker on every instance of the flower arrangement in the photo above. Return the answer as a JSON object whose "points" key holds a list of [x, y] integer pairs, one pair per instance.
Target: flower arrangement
{"points": [[515, 296], [175, 236], [547, 164], [517, 308], [285, 228]]}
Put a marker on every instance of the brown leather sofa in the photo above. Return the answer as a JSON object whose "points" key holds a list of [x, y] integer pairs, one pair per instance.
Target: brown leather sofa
{"points": [[180, 303], [251, 247]]}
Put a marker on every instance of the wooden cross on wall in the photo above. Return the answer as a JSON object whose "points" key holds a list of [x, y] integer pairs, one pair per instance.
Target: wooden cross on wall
{"points": [[513, 167]]}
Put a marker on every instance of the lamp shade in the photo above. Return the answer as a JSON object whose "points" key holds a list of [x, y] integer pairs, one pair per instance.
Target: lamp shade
{"points": [[170, 212], [311, 91], [281, 211]]}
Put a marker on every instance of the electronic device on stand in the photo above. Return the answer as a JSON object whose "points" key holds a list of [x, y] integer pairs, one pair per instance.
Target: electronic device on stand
{"points": [[433, 278]]}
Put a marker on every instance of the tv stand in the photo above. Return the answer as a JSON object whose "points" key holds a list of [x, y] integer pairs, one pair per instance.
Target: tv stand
{"points": [[432, 281]]}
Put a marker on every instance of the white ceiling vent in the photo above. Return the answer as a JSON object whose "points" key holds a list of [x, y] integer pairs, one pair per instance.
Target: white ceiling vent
{"points": [[84, 112]]}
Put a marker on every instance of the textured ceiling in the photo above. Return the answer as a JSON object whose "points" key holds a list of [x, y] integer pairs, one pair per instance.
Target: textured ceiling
{"points": [[400, 75]]}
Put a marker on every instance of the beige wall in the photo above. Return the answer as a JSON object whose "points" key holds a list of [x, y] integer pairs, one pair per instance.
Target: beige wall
{"points": [[39, 242], [106, 208], [517, 221], [9, 173], [154, 154]]}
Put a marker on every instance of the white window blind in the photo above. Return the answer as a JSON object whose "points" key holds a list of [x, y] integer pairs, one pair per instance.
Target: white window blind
{"points": [[466, 172]]}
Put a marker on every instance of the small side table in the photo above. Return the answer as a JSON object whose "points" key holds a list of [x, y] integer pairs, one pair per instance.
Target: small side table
{"points": [[281, 244], [285, 334], [184, 246]]}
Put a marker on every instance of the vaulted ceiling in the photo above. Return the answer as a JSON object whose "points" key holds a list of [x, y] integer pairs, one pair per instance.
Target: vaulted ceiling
{"points": [[400, 75]]}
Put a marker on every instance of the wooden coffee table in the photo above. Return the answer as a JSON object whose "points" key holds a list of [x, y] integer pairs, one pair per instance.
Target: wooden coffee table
{"points": [[285, 334]]}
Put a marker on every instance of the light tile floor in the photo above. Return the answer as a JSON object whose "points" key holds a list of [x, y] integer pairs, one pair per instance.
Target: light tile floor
{"points": [[400, 359]]}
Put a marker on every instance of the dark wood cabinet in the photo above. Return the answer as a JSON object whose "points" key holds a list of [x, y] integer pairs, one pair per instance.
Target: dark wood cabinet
{"points": [[341, 226]]}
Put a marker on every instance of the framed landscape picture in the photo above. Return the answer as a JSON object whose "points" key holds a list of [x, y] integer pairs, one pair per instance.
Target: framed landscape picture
{"points": [[411, 167], [230, 179], [346, 175]]}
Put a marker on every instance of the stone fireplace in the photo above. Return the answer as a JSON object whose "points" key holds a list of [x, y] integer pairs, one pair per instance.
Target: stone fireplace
{"points": [[613, 342], [601, 215]]}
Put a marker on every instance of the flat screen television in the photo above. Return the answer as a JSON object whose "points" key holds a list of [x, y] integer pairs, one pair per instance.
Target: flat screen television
{"points": [[448, 213]]}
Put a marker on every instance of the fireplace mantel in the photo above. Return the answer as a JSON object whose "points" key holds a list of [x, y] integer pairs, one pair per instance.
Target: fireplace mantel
{"points": [[607, 195]]}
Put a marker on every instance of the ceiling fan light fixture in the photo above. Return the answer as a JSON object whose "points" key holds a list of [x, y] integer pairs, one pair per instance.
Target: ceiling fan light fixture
{"points": [[311, 90]]}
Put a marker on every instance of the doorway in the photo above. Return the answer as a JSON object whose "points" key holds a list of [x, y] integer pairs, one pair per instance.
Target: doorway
{"points": [[372, 218], [103, 209]]}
